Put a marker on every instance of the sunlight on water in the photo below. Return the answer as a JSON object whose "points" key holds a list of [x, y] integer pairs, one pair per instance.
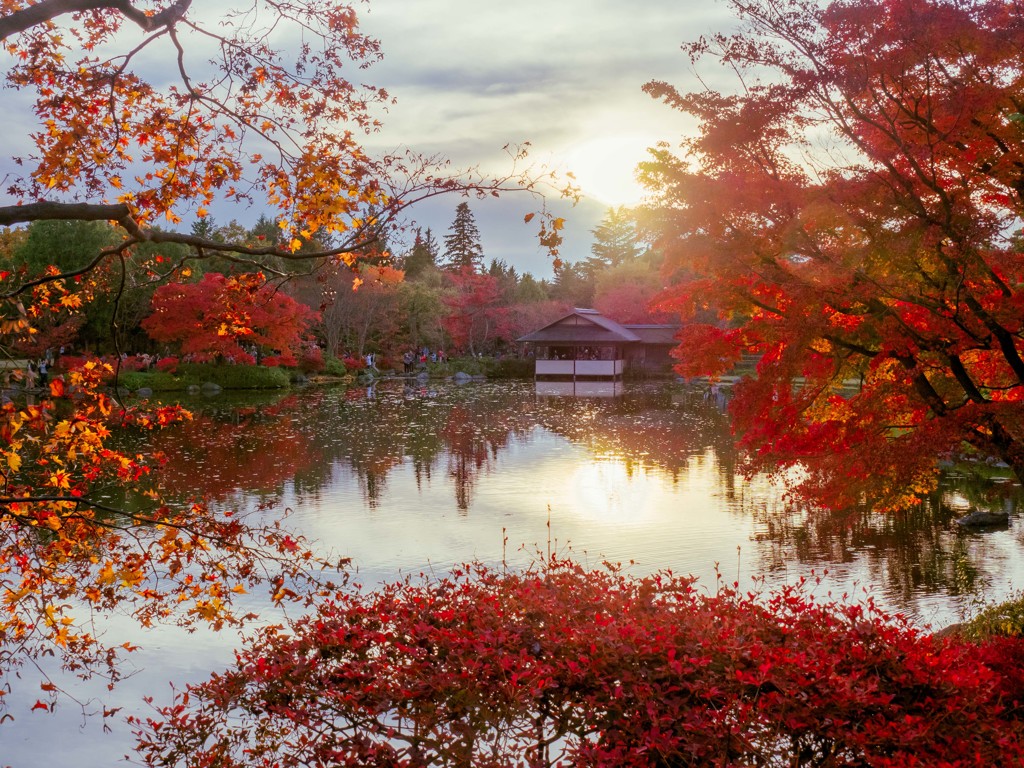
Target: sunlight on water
{"points": [[415, 480]]}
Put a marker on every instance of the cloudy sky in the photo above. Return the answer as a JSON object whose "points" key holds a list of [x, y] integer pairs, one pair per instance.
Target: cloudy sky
{"points": [[471, 76], [564, 75]]}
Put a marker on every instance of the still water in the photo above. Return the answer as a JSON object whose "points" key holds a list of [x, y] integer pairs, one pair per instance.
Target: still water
{"points": [[408, 480]]}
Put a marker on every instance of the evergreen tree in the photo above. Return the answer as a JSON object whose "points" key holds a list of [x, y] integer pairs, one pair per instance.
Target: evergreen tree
{"points": [[615, 241], [204, 227], [67, 245], [506, 276], [573, 285], [265, 230], [530, 289], [462, 247], [422, 258]]}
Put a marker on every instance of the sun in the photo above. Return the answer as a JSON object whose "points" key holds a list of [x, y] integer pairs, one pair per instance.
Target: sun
{"points": [[605, 166]]}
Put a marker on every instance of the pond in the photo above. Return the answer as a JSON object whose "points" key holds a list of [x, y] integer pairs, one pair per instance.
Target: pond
{"points": [[415, 479]]}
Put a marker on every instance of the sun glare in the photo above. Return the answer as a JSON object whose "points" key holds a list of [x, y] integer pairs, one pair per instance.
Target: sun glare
{"points": [[605, 167]]}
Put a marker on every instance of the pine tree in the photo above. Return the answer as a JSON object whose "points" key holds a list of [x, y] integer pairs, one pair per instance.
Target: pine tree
{"points": [[462, 243], [423, 255], [506, 276], [615, 241]]}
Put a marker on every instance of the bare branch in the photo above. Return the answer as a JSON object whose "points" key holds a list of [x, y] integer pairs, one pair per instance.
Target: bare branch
{"points": [[47, 10]]}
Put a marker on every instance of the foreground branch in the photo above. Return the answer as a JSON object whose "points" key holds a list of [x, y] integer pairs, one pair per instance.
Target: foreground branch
{"points": [[47, 10]]}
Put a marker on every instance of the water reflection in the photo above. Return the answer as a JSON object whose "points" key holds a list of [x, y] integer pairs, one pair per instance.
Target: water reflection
{"points": [[649, 475], [408, 479]]}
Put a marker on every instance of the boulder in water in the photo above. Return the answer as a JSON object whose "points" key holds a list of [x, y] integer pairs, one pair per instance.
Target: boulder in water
{"points": [[983, 519]]}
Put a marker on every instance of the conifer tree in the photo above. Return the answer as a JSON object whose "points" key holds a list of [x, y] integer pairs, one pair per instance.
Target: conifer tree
{"points": [[423, 255], [615, 241], [462, 246]]}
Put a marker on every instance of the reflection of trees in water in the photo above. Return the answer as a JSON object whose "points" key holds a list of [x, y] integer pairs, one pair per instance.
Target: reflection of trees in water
{"points": [[457, 433], [307, 437], [652, 429], [226, 450], [304, 438], [476, 430], [918, 551]]}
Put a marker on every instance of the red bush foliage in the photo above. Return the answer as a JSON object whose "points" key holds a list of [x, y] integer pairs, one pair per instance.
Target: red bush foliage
{"points": [[573, 667], [311, 359], [167, 364]]}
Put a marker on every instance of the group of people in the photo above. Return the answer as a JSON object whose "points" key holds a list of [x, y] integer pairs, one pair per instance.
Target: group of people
{"points": [[409, 359], [38, 374]]}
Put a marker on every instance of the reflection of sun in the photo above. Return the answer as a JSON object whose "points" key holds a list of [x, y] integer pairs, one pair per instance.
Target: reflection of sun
{"points": [[606, 492], [604, 167]]}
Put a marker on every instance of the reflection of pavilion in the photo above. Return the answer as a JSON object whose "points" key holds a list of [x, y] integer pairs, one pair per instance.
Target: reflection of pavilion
{"points": [[580, 388], [587, 346]]}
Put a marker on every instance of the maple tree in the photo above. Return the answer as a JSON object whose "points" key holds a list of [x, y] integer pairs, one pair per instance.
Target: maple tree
{"points": [[560, 665], [230, 118], [358, 309], [229, 318], [845, 217], [625, 293], [476, 315]]}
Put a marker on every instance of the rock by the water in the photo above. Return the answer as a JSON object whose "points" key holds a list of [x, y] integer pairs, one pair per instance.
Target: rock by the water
{"points": [[461, 377], [982, 519], [192, 389], [209, 388], [144, 392]]}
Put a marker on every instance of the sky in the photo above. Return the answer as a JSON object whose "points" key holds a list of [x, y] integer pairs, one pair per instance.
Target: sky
{"points": [[471, 77], [565, 75]]}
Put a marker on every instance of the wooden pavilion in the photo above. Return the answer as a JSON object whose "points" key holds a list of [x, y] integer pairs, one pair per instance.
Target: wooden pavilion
{"points": [[586, 345]]}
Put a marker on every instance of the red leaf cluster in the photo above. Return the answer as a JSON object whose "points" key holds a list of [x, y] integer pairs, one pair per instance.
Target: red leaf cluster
{"points": [[565, 666], [844, 216], [221, 317]]}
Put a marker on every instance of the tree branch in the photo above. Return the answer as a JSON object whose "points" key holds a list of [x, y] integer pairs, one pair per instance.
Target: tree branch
{"points": [[47, 10]]}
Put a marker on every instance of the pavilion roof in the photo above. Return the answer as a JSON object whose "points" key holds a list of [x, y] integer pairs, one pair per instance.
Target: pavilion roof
{"points": [[655, 333], [582, 326]]}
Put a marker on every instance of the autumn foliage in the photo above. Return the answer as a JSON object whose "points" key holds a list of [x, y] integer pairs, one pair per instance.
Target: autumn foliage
{"points": [[565, 666], [845, 219], [229, 317], [259, 104], [85, 530], [476, 314]]}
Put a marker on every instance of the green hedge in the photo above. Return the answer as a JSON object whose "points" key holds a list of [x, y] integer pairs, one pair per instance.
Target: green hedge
{"points": [[155, 380], [506, 368], [196, 374], [510, 368], [335, 367], [235, 376]]}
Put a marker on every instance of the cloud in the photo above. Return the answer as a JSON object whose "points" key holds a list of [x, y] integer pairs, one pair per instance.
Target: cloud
{"points": [[470, 77]]}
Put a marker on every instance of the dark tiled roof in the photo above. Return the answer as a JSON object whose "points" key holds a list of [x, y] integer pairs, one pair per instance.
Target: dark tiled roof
{"points": [[656, 334], [587, 326]]}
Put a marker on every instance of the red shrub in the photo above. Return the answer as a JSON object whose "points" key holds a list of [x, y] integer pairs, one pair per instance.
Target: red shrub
{"points": [[167, 364], [492, 668], [311, 359]]}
